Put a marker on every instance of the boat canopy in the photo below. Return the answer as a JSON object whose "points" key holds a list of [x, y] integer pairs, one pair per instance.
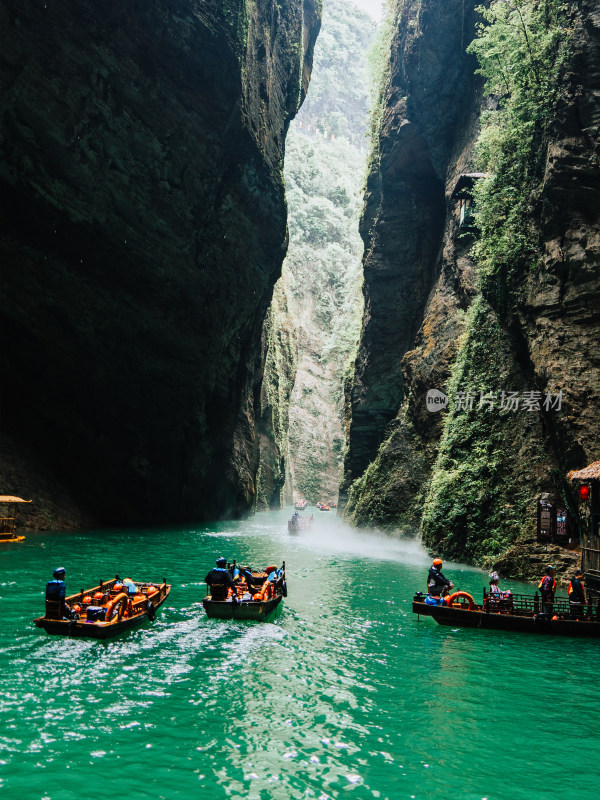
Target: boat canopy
{"points": [[587, 473], [9, 498]]}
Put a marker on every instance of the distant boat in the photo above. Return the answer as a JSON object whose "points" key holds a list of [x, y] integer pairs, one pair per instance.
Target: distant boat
{"points": [[8, 517], [299, 523], [301, 504], [516, 612], [105, 610]]}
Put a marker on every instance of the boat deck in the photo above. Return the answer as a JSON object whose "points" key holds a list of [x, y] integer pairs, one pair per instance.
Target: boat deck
{"points": [[517, 613]]}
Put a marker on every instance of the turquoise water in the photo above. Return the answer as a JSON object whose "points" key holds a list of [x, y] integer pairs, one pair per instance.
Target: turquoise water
{"points": [[345, 694]]}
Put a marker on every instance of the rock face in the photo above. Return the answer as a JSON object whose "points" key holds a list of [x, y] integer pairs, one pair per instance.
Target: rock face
{"points": [[143, 227], [469, 480], [281, 345], [317, 301], [429, 104]]}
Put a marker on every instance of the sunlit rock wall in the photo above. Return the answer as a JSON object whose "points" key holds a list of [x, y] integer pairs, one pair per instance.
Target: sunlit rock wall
{"points": [[281, 345], [428, 106], [142, 229], [470, 481]]}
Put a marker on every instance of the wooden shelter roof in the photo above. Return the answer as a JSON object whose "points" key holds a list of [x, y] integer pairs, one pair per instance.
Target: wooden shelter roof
{"points": [[9, 498], [585, 474]]}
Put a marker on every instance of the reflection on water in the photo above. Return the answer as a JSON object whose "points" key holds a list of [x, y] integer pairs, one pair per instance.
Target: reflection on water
{"points": [[344, 694]]}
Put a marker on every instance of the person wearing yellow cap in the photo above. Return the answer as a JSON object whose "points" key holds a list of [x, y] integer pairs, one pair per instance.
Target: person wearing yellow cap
{"points": [[435, 579]]}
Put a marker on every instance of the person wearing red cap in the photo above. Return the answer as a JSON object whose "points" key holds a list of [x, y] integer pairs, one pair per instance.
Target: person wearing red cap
{"points": [[435, 579]]}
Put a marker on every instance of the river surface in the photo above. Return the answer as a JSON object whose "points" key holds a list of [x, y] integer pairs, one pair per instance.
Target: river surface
{"points": [[345, 695]]}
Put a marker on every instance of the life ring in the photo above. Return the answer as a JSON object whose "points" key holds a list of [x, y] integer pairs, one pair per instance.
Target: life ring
{"points": [[456, 595], [121, 601], [265, 591]]}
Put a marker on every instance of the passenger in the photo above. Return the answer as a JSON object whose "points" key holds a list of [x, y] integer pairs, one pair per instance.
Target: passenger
{"points": [[245, 595], [433, 598], [129, 586], [494, 588], [219, 579], [500, 600], [436, 580], [243, 572], [547, 587], [273, 574], [56, 590], [577, 595]]}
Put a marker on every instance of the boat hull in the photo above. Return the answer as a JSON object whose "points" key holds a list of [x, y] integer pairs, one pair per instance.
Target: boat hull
{"points": [[422, 609], [256, 610], [457, 617]]}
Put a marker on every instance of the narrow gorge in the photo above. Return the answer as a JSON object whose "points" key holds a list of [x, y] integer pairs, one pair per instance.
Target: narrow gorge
{"points": [[160, 366]]}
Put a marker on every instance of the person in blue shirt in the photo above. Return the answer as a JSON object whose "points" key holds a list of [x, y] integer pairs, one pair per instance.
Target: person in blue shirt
{"points": [[129, 586], [219, 579], [433, 598], [56, 590], [273, 574], [243, 572]]}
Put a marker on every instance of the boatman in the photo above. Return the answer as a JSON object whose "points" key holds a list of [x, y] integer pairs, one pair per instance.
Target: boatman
{"points": [[435, 579], [56, 590], [547, 587], [577, 595], [219, 579]]}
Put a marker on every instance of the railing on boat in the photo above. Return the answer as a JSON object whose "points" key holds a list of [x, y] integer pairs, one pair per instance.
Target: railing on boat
{"points": [[528, 605]]}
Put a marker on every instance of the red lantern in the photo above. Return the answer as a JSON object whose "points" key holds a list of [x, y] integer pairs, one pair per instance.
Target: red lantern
{"points": [[584, 492]]}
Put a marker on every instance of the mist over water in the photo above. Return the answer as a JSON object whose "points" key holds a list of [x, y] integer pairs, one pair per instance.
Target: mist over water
{"points": [[345, 694]]}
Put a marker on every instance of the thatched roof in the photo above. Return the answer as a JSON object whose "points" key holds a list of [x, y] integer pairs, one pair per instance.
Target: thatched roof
{"points": [[585, 474]]}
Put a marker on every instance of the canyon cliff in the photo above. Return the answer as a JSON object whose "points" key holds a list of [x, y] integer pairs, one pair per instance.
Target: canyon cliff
{"points": [[317, 304], [468, 478], [142, 229]]}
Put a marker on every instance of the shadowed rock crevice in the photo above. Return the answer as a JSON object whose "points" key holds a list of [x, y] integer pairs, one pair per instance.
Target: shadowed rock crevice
{"points": [[142, 229]]}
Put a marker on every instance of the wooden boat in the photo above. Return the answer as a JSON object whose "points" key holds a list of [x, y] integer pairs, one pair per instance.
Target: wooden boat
{"points": [[299, 523], [105, 610], [8, 518], [514, 612], [255, 609]]}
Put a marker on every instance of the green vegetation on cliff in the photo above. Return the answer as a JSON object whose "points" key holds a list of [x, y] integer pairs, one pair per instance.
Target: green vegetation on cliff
{"points": [[321, 277], [472, 510]]}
